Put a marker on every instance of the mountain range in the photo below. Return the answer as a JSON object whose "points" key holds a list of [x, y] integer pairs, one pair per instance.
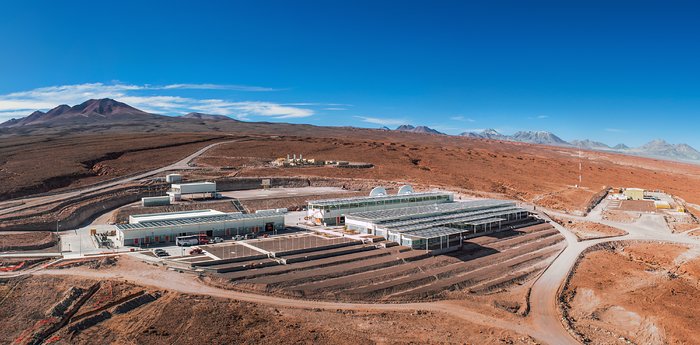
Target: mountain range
{"points": [[108, 114], [655, 148]]}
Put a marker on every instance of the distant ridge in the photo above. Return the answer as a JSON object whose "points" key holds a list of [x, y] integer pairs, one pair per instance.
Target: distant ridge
{"points": [[418, 129], [110, 115]]}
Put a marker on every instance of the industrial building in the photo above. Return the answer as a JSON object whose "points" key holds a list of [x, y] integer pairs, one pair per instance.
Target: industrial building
{"points": [[439, 226], [634, 193], [163, 228], [333, 211], [204, 189]]}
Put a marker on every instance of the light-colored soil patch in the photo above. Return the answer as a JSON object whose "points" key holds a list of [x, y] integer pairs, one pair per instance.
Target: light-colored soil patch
{"points": [[621, 216], [636, 293], [571, 200], [637, 205], [585, 230]]}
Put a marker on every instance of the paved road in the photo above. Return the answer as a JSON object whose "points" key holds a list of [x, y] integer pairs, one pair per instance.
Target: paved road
{"points": [[544, 309], [42, 200]]}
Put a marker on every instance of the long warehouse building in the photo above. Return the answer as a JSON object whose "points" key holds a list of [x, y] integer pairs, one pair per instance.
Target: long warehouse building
{"points": [[166, 227], [333, 211], [440, 226]]}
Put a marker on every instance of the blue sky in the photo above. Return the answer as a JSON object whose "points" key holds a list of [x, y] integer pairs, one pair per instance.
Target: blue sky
{"points": [[615, 71]]}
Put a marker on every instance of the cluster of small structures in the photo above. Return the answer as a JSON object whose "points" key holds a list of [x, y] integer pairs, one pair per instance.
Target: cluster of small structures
{"points": [[293, 161], [661, 200]]}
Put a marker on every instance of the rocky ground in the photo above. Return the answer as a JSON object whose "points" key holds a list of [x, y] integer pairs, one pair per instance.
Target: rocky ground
{"points": [[644, 293]]}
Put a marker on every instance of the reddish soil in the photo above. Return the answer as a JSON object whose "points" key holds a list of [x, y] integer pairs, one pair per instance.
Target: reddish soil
{"points": [[585, 230], [615, 295], [192, 319], [37, 164], [27, 240], [525, 172]]}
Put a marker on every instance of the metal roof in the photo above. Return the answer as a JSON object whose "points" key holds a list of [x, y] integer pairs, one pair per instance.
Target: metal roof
{"points": [[379, 216], [461, 220], [353, 200], [446, 230], [435, 232], [226, 217], [448, 217]]}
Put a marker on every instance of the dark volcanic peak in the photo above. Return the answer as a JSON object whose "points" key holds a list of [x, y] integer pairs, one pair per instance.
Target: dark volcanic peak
{"points": [[621, 147], [86, 112], [105, 107], [418, 129], [201, 116]]}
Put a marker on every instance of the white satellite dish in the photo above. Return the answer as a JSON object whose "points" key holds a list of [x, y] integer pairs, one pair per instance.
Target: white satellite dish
{"points": [[378, 191], [405, 189]]}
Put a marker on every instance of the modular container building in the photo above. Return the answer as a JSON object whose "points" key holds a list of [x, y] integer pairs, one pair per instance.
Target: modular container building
{"points": [[333, 211], [178, 189], [155, 201], [436, 227], [163, 228], [634, 193]]}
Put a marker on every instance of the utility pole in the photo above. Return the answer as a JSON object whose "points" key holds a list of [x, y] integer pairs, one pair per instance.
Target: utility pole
{"points": [[580, 167]]}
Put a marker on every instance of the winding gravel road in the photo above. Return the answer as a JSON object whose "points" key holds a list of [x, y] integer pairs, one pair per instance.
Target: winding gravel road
{"points": [[16, 205]]}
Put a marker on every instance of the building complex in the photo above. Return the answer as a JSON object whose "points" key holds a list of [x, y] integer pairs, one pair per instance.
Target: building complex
{"points": [[165, 227]]}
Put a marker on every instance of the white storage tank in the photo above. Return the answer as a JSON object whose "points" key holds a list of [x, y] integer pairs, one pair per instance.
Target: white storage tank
{"points": [[173, 178]]}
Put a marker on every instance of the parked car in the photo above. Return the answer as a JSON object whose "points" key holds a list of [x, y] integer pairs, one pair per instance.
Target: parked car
{"points": [[239, 237]]}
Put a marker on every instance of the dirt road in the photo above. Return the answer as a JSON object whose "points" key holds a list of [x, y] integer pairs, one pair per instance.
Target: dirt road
{"points": [[16, 205]]}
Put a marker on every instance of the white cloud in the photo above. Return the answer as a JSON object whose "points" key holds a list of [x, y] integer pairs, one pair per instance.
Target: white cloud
{"points": [[614, 130], [462, 118], [216, 87], [335, 109], [383, 121], [18, 104]]}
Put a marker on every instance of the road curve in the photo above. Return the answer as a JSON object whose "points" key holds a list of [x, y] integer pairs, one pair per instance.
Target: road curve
{"points": [[42, 200]]}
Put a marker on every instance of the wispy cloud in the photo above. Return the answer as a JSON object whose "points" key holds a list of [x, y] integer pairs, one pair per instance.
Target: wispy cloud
{"points": [[147, 98], [382, 121], [538, 117], [335, 109], [218, 87], [614, 130], [462, 118]]}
